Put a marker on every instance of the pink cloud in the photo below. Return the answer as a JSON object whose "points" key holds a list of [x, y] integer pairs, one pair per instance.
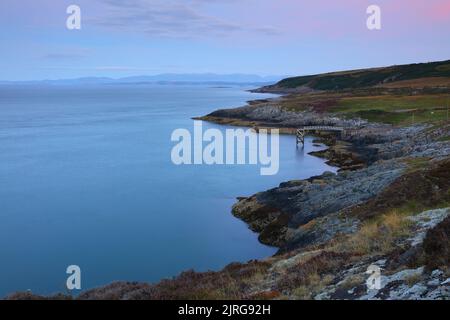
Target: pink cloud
{"points": [[346, 18], [441, 10]]}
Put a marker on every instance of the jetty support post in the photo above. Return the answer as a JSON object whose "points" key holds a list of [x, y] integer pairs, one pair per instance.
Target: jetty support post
{"points": [[300, 137]]}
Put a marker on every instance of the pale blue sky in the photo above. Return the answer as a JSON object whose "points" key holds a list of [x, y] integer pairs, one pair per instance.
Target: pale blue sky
{"points": [[267, 37]]}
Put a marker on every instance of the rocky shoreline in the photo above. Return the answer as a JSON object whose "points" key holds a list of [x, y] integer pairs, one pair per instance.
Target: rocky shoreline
{"points": [[387, 206]]}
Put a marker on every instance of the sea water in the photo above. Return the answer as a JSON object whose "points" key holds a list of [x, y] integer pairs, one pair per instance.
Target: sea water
{"points": [[86, 179]]}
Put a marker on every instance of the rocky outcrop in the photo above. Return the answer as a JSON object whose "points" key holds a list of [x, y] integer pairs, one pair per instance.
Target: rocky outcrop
{"points": [[284, 211], [396, 282], [271, 114], [269, 222]]}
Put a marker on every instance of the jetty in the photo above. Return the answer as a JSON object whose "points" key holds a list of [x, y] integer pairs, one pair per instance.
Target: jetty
{"points": [[301, 132]]}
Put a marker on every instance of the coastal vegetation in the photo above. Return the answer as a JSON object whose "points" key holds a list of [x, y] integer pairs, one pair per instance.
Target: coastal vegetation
{"points": [[368, 77], [397, 108], [398, 95]]}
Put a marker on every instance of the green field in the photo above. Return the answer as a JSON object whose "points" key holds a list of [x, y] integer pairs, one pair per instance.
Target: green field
{"points": [[397, 110]]}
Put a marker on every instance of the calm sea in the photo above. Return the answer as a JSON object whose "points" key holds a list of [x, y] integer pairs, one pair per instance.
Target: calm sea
{"points": [[86, 178]]}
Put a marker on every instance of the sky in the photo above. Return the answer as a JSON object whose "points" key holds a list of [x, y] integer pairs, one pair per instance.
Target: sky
{"points": [[120, 38]]}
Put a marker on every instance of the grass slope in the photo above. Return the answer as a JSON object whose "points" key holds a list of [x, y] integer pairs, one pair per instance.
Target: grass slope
{"points": [[368, 77], [398, 95]]}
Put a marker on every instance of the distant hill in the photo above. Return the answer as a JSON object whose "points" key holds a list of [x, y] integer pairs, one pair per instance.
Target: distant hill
{"points": [[204, 77], [362, 78], [200, 78]]}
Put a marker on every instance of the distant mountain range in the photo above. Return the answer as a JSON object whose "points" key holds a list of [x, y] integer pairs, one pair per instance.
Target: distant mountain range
{"points": [[201, 78]]}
